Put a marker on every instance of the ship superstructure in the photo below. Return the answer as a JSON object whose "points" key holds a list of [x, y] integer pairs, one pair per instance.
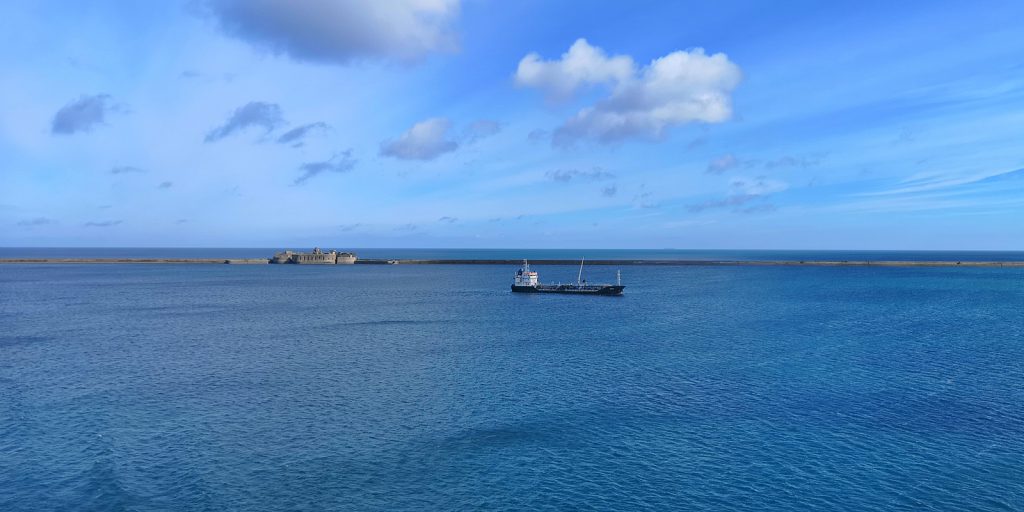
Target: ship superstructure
{"points": [[526, 281]]}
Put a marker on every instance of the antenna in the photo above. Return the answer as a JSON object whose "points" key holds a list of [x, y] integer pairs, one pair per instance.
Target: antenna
{"points": [[579, 278]]}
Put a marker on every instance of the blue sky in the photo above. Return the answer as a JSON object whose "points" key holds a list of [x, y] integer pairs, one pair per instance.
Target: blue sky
{"points": [[439, 123]]}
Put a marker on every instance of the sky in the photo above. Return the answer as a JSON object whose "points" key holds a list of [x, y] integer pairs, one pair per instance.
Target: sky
{"points": [[535, 124]]}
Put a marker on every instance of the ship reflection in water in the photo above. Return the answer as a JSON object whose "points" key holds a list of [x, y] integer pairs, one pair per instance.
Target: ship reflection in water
{"points": [[526, 281]]}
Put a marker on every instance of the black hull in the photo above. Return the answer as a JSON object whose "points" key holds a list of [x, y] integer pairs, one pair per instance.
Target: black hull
{"points": [[568, 289]]}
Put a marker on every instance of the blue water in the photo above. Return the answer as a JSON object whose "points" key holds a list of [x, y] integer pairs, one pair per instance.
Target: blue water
{"points": [[515, 254], [177, 387]]}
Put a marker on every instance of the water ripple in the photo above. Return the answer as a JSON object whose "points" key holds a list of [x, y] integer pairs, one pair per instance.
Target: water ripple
{"points": [[215, 388]]}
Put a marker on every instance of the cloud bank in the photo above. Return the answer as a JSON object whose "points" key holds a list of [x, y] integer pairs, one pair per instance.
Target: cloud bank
{"points": [[255, 113], [426, 140], [681, 87], [81, 115], [339, 31]]}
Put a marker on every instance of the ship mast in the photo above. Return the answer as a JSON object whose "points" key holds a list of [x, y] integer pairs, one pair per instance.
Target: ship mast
{"points": [[579, 278]]}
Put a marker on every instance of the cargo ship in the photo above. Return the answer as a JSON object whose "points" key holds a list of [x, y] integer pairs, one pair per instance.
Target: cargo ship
{"points": [[526, 282]]}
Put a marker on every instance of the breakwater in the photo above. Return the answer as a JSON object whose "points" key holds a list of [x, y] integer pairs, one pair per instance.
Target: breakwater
{"points": [[624, 262]]}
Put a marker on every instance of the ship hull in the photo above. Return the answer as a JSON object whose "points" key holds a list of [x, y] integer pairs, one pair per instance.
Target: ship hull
{"points": [[569, 289]]}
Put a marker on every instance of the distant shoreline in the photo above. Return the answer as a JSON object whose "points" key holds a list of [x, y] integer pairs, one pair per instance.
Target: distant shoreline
{"points": [[623, 262]]}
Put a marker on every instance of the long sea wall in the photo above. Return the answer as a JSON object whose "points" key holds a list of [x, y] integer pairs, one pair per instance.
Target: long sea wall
{"points": [[621, 263]]}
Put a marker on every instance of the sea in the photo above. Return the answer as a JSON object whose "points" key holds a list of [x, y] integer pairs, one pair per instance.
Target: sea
{"points": [[432, 387]]}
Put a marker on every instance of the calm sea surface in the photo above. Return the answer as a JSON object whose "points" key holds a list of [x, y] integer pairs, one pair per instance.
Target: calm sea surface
{"points": [[216, 387]]}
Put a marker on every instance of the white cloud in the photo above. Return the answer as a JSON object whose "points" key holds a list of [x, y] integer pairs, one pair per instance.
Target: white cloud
{"points": [[338, 31], [38, 221], [426, 140], [567, 175], [746, 195], [296, 135], [255, 113], [930, 181], [581, 65], [722, 164], [123, 169], [792, 161], [81, 115], [681, 87], [480, 129], [759, 186], [340, 162], [103, 223]]}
